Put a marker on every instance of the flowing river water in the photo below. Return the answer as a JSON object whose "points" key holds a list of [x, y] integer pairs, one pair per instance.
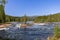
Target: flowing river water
{"points": [[35, 32]]}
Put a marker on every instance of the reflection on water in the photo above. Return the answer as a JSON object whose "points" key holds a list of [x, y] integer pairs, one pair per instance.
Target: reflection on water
{"points": [[30, 33]]}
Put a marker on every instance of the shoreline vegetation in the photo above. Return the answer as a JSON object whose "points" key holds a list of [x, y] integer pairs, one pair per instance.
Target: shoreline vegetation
{"points": [[56, 34]]}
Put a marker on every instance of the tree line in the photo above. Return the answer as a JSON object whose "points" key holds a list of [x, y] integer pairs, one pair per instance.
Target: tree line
{"points": [[6, 18], [48, 18]]}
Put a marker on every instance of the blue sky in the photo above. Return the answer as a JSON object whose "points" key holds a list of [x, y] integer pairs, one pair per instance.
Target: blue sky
{"points": [[32, 7]]}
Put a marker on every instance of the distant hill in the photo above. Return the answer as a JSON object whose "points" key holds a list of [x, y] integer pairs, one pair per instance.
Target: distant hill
{"points": [[48, 18]]}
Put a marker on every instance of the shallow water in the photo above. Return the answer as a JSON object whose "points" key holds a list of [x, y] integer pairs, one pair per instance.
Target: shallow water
{"points": [[30, 33]]}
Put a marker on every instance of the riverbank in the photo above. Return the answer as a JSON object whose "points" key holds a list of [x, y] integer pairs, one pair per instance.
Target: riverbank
{"points": [[5, 25], [53, 38]]}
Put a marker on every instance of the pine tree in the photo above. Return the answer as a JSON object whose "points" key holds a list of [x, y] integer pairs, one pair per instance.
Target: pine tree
{"points": [[2, 12]]}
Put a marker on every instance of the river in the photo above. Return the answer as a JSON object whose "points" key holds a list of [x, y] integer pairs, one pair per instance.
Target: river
{"points": [[34, 32]]}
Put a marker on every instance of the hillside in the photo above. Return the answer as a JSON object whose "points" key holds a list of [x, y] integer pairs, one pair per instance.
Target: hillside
{"points": [[48, 18]]}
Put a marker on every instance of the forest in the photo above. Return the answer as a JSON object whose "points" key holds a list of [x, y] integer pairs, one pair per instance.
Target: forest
{"points": [[8, 18], [48, 18]]}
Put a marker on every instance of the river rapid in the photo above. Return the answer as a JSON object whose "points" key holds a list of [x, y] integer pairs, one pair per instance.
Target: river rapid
{"points": [[35, 32]]}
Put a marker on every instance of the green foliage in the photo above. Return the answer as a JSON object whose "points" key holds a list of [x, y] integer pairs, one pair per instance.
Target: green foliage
{"points": [[56, 35], [40, 19], [48, 18], [56, 31], [2, 14]]}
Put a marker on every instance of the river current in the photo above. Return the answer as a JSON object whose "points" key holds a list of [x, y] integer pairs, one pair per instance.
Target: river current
{"points": [[34, 32]]}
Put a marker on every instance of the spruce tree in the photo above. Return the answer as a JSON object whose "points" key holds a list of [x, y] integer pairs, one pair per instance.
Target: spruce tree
{"points": [[2, 12]]}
